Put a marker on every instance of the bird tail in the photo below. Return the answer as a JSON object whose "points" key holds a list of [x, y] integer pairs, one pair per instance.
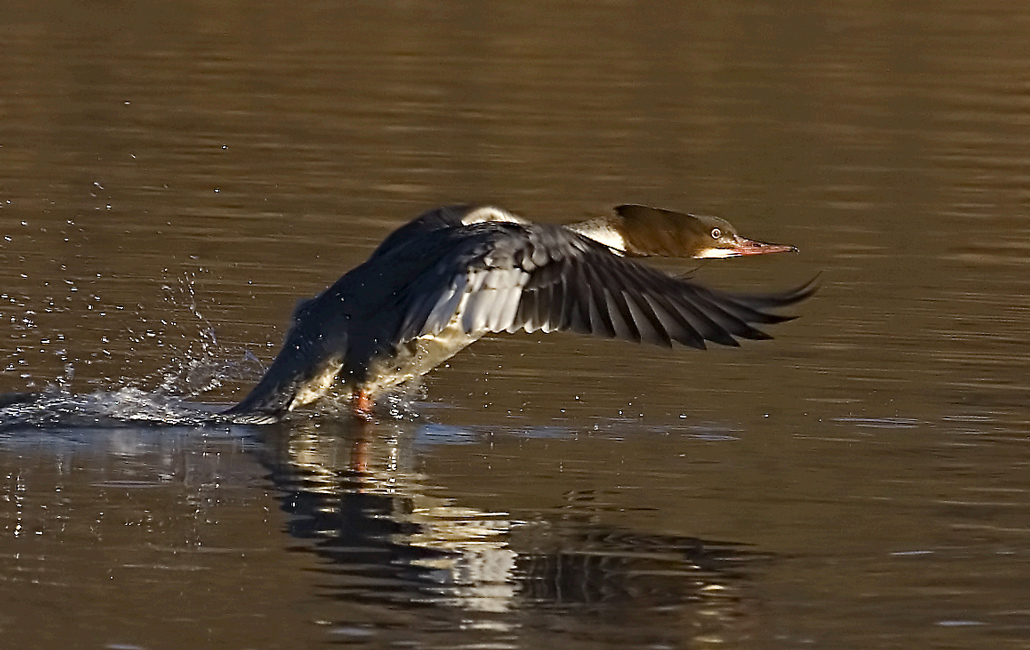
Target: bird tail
{"points": [[267, 402], [302, 372]]}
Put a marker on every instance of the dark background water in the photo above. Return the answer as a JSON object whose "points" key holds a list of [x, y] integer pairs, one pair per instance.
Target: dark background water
{"points": [[174, 177]]}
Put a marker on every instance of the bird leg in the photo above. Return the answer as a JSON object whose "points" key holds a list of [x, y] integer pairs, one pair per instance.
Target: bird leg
{"points": [[361, 404]]}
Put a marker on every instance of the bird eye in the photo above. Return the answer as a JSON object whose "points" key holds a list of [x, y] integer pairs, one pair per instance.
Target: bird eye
{"points": [[716, 233]]}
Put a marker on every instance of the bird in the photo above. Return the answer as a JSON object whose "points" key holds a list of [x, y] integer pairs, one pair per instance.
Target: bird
{"points": [[456, 273]]}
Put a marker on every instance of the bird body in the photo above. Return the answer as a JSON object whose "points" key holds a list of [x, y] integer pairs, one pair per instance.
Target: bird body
{"points": [[457, 273]]}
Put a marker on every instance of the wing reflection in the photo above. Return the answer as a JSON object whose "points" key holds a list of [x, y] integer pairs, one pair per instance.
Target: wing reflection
{"points": [[357, 500]]}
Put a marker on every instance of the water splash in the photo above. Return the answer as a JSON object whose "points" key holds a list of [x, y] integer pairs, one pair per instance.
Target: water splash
{"points": [[59, 407], [195, 365], [193, 369], [202, 365]]}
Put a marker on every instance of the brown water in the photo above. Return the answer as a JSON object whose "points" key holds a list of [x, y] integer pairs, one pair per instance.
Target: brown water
{"points": [[174, 178]]}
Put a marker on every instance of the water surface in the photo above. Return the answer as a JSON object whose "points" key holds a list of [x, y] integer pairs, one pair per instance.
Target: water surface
{"points": [[175, 179]]}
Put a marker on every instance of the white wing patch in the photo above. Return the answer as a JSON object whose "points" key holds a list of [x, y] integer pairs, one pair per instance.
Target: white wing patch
{"points": [[482, 300], [492, 300]]}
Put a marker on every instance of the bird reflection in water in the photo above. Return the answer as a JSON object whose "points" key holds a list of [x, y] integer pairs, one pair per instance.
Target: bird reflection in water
{"points": [[356, 499]]}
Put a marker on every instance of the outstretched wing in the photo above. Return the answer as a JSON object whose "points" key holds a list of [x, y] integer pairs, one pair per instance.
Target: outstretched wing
{"points": [[494, 277]]}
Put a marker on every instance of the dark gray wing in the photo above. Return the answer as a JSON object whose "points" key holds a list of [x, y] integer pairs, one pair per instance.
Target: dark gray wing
{"points": [[494, 277], [448, 216]]}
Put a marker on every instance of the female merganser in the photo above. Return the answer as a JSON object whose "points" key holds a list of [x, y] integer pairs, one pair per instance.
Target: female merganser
{"points": [[442, 281]]}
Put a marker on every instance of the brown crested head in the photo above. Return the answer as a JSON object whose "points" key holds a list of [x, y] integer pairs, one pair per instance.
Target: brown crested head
{"points": [[656, 231]]}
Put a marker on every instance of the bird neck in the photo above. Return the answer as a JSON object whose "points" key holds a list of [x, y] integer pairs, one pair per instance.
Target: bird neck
{"points": [[605, 230]]}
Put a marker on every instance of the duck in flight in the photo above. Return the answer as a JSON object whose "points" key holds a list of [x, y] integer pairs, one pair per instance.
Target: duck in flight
{"points": [[457, 273]]}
